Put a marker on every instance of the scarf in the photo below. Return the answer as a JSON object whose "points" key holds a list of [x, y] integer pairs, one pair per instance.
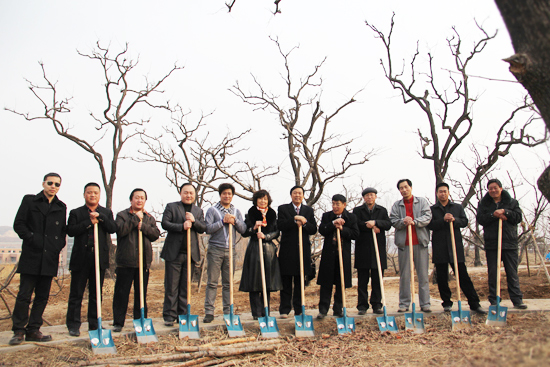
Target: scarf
{"points": [[264, 212]]}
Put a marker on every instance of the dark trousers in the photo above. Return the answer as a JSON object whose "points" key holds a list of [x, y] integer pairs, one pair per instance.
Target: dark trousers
{"points": [[325, 297], [363, 276], [257, 303], [28, 284], [175, 288], [79, 279], [291, 298], [466, 284], [124, 279], [510, 260]]}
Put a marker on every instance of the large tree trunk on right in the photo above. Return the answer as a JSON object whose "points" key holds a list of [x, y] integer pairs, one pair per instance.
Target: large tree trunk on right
{"points": [[528, 22]]}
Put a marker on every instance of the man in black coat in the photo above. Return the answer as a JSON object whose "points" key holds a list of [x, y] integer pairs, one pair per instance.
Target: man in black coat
{"points": [[290, 217], [445, 213], [40, 223], [329, 269], [178, 217], [129, 223], [81, 227], [498, 204], [370, 217]]}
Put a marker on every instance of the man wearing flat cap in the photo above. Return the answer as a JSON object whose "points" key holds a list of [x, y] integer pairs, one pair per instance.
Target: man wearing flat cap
{"points": [[371, 217]]}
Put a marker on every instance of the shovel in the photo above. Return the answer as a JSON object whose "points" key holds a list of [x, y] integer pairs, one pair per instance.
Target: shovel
{"points": [[101, 339], [415, 320], [344, 324], [233, 322], [268, 325], [145, 332], [188, 324], [497, 314], [303, 323], [385, 323], [460, 319]]}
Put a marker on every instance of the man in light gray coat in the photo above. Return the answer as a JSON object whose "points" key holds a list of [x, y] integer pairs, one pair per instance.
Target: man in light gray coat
{"points": [[218, 219], [415, 212]]}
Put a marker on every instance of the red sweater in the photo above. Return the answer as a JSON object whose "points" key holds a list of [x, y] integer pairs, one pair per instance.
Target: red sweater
{"points": [[409, 213]]}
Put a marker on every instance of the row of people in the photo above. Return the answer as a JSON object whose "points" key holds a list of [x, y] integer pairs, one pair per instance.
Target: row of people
{"points": [[40, 222]]}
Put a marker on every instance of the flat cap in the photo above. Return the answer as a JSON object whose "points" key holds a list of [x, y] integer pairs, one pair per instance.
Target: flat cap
{"points": [[369, 190]]}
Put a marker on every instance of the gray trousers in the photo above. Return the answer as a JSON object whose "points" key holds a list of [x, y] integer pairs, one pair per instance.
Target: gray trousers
{"points": [[421, 263], [218, 262]]}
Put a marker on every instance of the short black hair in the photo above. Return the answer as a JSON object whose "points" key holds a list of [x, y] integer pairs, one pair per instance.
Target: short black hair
{"points": [[441, 184], [136, 190], [494, 180], [296, 187], [51, 174], [226, 186], [260, 194], [91, 184], [186, 184], [339, 197], [409, 182]]}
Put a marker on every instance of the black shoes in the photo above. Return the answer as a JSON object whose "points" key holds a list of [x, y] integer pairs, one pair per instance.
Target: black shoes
{"points": [[403, 309], [284, 316], [479, 310], [521, 306], [208, 319], [117, 328], [447, 308], [37, 336], [74, 332], [18, 338], [321, 316], [338, 314], [362, 312], [378, 311], [168, 323]]}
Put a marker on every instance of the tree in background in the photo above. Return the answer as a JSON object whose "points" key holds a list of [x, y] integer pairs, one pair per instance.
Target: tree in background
{"points": [[119, 120]]}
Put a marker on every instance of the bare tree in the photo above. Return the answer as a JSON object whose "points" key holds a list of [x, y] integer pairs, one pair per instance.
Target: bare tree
{"points": [[306, 147], [117, 119], [448, 111], [188, 157], [231, 3]]}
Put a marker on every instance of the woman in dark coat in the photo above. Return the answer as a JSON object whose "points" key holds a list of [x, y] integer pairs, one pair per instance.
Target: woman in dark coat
{"points": [[261, 216]]}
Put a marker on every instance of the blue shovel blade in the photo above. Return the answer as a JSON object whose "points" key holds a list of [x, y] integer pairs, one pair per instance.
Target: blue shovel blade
{"points": [[233, 324], [268, 326], [102, 340], [460, 319], [189, 326], [414, 321], [145, 332], [387, 323], [497, 315], [345, 324], [304, 325]]}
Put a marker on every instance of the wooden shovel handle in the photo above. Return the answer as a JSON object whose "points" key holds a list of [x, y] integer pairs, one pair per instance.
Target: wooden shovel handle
{"points": [[97, 276], [301, 254], [262, 268], [499, 255], [140, 262], [411, 260], [188, 265], [230, 238], [453, 244], [341, 262], [379, 266]]}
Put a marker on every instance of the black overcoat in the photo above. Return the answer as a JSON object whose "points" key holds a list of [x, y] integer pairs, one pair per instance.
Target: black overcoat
{"points": [[251, 279], [172, 221], [485, 217], [127, 250], [329, 257], [442, 250], [289, 251], [365, 255], [81, 228], [42, 227]]}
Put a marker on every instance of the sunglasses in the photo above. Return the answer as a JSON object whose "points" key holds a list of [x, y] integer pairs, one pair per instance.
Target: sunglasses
{"points": [[50, 183]]}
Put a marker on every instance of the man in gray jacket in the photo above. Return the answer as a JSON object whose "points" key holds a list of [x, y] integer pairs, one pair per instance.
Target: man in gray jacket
{"points": [[218, 219], [415, 212]]}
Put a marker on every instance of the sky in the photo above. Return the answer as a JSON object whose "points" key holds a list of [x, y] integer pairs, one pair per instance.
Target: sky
{"points": [[217, 49]]}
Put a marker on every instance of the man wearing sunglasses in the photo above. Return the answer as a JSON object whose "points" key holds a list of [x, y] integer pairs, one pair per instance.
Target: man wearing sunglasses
{"points": [[40, 223]]}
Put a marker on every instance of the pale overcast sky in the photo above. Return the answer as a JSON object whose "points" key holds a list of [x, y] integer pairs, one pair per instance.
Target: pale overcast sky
{"points": [[218, 48]]}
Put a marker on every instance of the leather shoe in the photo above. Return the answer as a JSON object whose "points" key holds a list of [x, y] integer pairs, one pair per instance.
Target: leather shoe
{"points": [[447, 308], [18, 338], [362, 312], [117, 328], [338, 314], [403, 309], [284, 316], [37, 336], [378, 311], [208, 319], [521, 306], [74, 332], [480, 311], [168, 323], [425, 309], [255, 317], [321, 316]]}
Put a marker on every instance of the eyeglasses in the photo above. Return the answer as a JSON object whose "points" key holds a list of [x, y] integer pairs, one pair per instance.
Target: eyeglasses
{"points": [[50, 183]]}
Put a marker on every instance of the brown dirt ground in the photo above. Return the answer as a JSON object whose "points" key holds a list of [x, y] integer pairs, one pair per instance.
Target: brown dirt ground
{"points": [[525, 340]]}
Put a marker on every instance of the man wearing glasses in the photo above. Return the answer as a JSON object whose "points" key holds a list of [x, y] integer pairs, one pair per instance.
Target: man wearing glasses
{"points": [[40, 223]]}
